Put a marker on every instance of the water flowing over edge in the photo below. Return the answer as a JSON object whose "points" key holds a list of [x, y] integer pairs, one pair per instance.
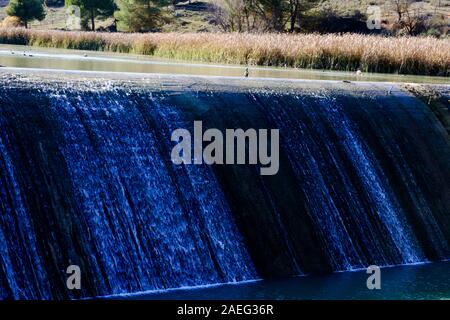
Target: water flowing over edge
{"points": [[87, 179]]}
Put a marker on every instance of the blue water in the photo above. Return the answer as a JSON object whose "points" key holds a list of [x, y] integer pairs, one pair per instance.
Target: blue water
{"points": [[86, 178], [413, 282]]}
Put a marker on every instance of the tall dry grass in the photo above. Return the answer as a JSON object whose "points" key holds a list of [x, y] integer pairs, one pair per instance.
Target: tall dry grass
{"points": [[406, 55]]}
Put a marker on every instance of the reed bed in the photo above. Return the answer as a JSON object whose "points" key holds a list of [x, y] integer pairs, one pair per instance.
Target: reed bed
{"points": [[404, 55]]}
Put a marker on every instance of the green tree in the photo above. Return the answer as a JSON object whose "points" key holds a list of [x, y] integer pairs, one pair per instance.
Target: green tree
{"points": [[140, 15], [280, 14], [26, 10], [275, 10], [91, 9], [262, 15], [295, 10]]}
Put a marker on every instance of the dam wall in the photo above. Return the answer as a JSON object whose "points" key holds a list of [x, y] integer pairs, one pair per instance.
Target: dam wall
{"points": [[86, 179]]}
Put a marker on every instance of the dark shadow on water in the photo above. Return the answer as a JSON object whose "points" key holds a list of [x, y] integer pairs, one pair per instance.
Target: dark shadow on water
{"points": [[426, 281]]}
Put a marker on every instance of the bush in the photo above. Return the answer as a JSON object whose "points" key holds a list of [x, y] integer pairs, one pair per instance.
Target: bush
{"points": [[11, 22]]}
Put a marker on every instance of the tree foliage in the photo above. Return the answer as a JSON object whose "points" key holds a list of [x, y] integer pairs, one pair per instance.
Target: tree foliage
{"points": [[261, 15], [410, 18], [26, 10], [139, 15], [91, 9]]}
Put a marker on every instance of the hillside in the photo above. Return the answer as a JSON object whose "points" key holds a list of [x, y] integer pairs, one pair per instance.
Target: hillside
{"points": [[198, 16], [347, 7], [184, 17]]}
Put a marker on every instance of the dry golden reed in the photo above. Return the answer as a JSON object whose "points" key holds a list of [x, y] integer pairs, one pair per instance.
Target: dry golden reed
{"points": [[405, 55]]}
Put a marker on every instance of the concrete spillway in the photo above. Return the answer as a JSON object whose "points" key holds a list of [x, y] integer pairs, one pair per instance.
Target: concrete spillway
{"points": [[86, 178]]}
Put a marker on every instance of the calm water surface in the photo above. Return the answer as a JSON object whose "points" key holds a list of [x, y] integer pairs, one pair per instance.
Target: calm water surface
{"points": [[45, 58], [425, 281]]}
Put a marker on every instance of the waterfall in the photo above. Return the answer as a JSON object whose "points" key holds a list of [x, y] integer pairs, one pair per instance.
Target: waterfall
{"points": [[86, 178]]}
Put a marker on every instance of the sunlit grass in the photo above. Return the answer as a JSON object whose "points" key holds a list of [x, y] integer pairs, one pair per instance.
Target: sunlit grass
{"points": [[406, 55]]}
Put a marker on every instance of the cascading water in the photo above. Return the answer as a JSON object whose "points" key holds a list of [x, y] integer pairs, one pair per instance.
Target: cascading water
{"points": [[86, 178]]}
